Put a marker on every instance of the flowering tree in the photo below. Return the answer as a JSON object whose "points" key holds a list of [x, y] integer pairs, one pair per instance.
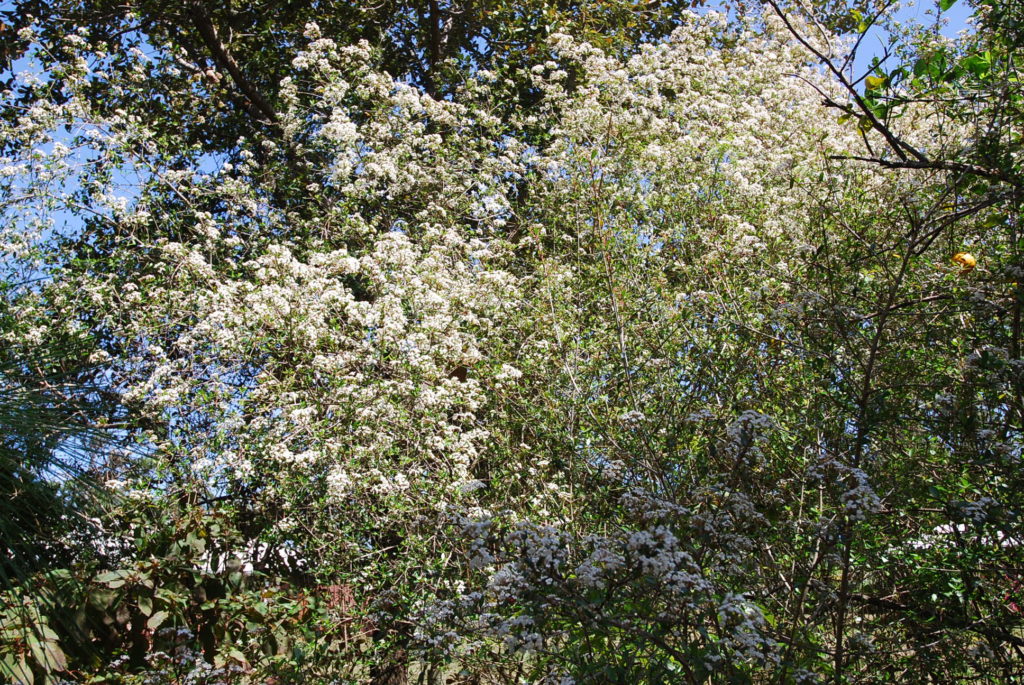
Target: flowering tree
{"points": [[660, 373]]}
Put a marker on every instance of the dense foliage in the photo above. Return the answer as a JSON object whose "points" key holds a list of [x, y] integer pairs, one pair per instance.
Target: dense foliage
{"points": [[510, 342]]}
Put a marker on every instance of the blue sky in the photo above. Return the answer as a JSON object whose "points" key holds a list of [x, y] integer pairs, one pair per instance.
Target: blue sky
{"points": [[924, 13]]}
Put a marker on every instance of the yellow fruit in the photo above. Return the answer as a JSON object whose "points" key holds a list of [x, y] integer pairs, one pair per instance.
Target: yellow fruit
{"points": [[965, 260]]}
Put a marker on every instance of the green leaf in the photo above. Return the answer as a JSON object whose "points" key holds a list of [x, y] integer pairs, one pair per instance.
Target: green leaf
{"points": [[101, 599], [977, 65], [15, 670], [113, 579], [108, 576], [235, 579], [48, 655], [170, 596], [146, 605], [156, 619], [858, 16], [47, 632], [946, 4]]}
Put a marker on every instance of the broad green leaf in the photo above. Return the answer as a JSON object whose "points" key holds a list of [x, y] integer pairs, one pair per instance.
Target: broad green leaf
{"points": [[108, 576], [15, 670], [48, 655], [156, 620], [977, 65], [113, 579]]}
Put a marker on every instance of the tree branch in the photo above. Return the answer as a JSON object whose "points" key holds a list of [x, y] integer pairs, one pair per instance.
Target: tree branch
{"points": [[932, 616], [208, 32], [935, 165], [899, 146]]}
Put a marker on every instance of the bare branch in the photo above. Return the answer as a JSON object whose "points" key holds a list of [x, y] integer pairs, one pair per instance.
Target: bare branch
{"points": [[899, 146], [935, 165]]}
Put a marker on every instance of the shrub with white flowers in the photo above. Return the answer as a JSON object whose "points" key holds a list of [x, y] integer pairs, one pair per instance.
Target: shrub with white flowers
{"points": [[653, 375]]}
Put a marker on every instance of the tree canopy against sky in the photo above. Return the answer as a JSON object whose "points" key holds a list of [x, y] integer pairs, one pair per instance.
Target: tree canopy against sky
{"points": [[511, 342]]}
